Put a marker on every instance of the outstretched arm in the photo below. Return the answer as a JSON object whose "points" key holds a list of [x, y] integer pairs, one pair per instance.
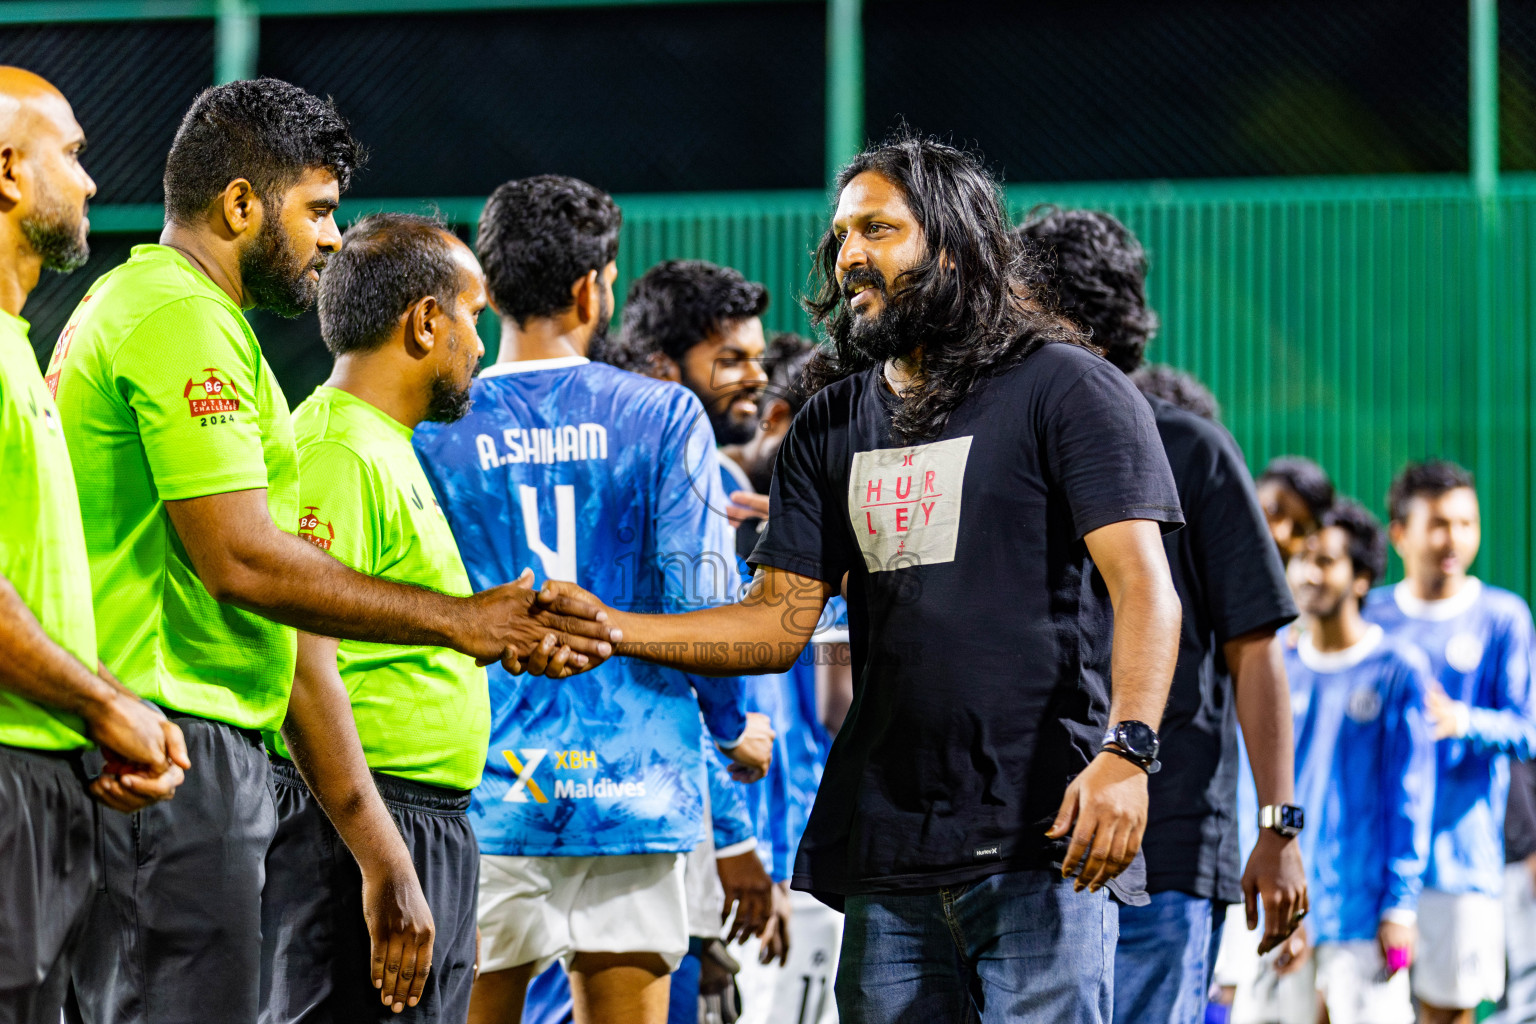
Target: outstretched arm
{"points": [[1107, 803], [242, 558], [763, 632]]}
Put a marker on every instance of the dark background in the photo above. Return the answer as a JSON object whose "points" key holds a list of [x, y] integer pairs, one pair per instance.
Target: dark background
{"points": [[731, 96]]}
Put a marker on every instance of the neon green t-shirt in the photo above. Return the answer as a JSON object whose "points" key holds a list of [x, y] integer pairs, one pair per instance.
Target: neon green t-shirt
{"points": [[423, 713], [42, 551], [164, 396]]}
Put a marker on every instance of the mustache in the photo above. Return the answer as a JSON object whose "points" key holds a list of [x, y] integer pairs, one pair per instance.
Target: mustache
{"points": [[859, 277]]}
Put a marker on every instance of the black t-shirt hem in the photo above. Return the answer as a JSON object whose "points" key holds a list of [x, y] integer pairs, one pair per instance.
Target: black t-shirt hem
{"points": [[1273, 624], [1168, 518]]}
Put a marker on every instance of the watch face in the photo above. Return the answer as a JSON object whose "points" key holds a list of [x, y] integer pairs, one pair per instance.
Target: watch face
{"points": [[1137, 738], [1292, 816]]}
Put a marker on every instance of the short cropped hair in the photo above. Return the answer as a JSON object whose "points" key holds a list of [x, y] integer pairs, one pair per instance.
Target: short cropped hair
{"points": [[1303, 477], [1424, 480], [784, 360], [538, 236], [677, 304], [387, 262], [1178, 388], [263, 130], [1091, 269], [1367, 540]]}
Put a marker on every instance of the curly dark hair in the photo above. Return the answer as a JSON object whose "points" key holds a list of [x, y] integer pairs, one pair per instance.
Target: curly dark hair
{"points": [[387, 262], [1091, 268], [540, 235], [1367, 540], [784, 360], [1303, 477], [962, 302], [263, 130], [1177, 388], [1424, 480], [677, 304]]}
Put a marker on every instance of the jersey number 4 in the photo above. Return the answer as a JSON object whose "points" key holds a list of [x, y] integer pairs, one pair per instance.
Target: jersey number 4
{"points": [[559, 561]]}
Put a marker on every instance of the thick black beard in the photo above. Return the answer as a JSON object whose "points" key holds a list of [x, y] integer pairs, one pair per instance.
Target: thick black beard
{"points": [[59, 241], [449, 402], [869, 340], [275, 276], [729, 431]]}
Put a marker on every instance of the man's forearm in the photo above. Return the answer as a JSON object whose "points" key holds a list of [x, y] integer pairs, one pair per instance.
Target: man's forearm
{"points": [[293, 582], [33, 665], [321, 735], [1146, 646], [764, 632], [1264, 712]]}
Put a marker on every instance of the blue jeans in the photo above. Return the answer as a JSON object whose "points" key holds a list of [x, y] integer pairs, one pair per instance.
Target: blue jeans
{"points": [[1164, 961], [1011, 947]]}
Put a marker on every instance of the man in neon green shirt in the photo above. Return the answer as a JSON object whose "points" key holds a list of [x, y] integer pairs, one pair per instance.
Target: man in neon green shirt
{"points": [[55, 697], [185, 461], [398, 307]]}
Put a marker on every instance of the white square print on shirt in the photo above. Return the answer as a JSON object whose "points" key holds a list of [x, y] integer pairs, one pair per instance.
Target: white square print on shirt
{"points": [[904, 503]]}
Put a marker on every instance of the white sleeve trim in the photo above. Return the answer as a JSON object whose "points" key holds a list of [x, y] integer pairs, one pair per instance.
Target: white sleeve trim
{"points": [[1400, 915], [737, 849]]}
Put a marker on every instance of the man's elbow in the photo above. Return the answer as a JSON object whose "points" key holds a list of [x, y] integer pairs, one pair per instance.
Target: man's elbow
{"points": [[1163, 608], [229, 577]]}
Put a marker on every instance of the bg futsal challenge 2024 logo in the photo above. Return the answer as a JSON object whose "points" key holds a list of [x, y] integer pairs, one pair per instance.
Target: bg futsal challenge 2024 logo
{"points": [[211, 397]]}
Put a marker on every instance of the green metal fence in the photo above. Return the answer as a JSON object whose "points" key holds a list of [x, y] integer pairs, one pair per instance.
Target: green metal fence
{"points": [[1360, 321], [1363, 322]]}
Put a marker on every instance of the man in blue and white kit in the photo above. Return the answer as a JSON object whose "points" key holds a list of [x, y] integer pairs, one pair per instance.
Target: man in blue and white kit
{"points": [[1365, 771], [797, 989], [593, 790], [700, 324], [1478, 641]]}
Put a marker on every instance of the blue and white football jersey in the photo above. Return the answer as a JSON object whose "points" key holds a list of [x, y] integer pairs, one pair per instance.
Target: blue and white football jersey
{"points": [[1365, 773], [1479, 648], [780, 805], [585, 472]]}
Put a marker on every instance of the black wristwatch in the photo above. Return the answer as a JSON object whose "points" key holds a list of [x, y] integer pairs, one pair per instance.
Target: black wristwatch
{"points": [[1136, 742], [1284, 819]]}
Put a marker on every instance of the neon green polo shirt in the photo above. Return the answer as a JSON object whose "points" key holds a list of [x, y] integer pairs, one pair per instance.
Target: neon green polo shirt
{"points": [[42, 551], [423, 713], [164, 396]]}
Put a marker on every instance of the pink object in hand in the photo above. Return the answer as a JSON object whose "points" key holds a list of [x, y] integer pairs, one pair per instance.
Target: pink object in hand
{"points": [[1397, 958]]}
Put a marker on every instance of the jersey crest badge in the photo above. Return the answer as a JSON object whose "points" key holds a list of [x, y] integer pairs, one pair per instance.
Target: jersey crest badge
{"points": [[313, 530], [210, 395], [1464, 652]]}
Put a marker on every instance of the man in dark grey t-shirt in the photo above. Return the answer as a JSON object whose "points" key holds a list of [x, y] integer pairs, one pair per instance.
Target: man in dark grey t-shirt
{"points": [[1232, 586], [996, 495]]}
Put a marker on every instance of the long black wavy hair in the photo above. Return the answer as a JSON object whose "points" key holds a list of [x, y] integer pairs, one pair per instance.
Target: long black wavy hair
{"points": [[963, 302]]}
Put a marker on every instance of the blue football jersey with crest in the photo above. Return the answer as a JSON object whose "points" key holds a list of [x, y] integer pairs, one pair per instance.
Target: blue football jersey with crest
{"points": [[587, 473], [1479, 648], [780, 804], [1365, 774]]}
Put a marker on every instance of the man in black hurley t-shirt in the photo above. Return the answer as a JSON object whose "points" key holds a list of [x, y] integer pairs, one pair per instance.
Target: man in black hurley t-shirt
{"points": [[1232, 586], [992, 489]]}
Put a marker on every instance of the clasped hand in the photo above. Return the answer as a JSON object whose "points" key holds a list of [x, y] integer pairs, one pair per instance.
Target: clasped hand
{"points": [[556, 631]]}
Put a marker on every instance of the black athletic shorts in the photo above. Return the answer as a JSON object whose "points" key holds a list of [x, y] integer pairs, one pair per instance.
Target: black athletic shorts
{"points": [[47, 878], [315, 954], [175, 933]]}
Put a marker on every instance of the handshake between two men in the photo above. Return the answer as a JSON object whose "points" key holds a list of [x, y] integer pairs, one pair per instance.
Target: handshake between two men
{"points": [[560, 630]]}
